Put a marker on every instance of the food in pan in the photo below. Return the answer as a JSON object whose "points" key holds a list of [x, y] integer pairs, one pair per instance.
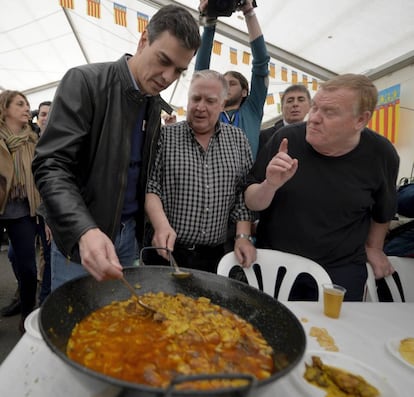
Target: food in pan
{"points": [[185, 336], [338, 382], [406, 349]]}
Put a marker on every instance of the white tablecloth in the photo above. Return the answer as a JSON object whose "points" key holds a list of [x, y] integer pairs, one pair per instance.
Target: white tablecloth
{"points": [[361, 333]]}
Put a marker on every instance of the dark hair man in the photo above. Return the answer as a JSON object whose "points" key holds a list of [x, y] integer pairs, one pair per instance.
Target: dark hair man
{"points": [[295, 102], [92, 162]]}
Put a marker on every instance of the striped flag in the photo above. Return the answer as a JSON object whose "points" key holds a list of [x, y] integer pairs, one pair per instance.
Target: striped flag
{"points": [[272, 70], [181, 111], [386, 117], [314, 84], [217, 47], [142, 21], [294, 77], [233, 56], [284, 74], [120, 14], [67, 4], [270, 99], [305, 80], [246, 57], [93, 8]]}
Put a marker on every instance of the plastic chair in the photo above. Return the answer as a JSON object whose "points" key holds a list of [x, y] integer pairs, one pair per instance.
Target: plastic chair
{"points": [[270, 263], [371, 293], [405, 269]]}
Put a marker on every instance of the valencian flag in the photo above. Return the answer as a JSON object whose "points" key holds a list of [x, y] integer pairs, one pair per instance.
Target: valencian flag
{"points": [[314, 84], [272, 70], [386, 117], [246, 57], [233, 56], [270, 99], [284, 74], [120, 14], [142, 21], [217, 47], [67, 4], [94, 8], [294, 77], [305, 80]]}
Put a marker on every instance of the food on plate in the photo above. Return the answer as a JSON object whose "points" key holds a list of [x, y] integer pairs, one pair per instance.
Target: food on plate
{"points": [[338, 382], [406, 349], [186, 336], [324, 339]]}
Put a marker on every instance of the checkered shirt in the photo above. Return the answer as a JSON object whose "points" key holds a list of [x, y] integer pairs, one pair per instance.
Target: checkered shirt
{"points": [[201, 189]]}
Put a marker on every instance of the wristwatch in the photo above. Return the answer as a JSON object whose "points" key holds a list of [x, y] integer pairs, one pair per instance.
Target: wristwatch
{"points": [[243, 235]]}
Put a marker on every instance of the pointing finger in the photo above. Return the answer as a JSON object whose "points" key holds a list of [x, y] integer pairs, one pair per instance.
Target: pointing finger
{"points": [[283, 146]]}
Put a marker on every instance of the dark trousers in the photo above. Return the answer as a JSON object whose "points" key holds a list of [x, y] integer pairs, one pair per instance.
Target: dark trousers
{"points": [[200, 257], [353, 277], [45, 287], [22, 233]]}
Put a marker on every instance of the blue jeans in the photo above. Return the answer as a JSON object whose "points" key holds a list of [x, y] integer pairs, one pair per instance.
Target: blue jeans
{"points": [[64, 270], [401, 245]]}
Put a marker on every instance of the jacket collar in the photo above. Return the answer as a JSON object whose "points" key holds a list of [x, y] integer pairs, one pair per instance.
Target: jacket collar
{"points": [[130, 89]]}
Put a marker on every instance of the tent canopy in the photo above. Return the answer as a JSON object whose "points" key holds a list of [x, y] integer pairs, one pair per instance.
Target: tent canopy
{"points": [[40, 41]]}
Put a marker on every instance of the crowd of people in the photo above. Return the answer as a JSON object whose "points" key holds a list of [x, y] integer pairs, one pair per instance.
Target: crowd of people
{"points": [[107, 177]]}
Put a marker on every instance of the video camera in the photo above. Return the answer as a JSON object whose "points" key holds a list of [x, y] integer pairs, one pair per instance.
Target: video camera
{"points": [[224, 8]]}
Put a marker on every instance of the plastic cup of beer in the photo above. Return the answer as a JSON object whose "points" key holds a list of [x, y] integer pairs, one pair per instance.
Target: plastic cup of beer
{"points": [[333, 296]]}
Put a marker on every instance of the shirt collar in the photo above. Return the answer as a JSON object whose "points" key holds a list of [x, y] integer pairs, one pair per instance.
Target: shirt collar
{"points": [[134, 83]]}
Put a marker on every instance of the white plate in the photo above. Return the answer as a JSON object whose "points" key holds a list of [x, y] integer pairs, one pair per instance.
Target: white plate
{"points": [[393, 346], [31, 324], [347, 363]]}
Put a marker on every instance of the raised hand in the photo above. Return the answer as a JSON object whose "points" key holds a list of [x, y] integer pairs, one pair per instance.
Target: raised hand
{"points": [[282, 167]]}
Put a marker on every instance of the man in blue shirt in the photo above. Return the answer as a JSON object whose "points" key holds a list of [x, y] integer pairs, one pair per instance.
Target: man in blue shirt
{"points": [[241, 109]]}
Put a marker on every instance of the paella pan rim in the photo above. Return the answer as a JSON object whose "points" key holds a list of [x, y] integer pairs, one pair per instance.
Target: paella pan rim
{"points": [[78, 297]]}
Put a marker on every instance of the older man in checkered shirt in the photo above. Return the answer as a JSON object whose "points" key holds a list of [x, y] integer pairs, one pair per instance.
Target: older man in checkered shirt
{"points": [[196, 185]]}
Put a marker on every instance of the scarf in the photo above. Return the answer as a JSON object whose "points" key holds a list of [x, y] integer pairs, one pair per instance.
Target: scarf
{"points": [[21, 147]]}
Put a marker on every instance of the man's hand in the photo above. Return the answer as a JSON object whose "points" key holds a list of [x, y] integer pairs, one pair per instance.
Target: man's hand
{"points": [[98, 255], [379, 262], [245, 252], [164, 237], [282, 167], [248, 4], [169, 119], [203, 6]]}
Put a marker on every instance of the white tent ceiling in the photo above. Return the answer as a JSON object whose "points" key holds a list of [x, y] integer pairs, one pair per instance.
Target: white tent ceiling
{"points": [[39, 40]]}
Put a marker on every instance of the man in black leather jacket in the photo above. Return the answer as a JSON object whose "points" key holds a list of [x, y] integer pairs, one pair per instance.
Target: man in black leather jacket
{"points": [[92, 162]]}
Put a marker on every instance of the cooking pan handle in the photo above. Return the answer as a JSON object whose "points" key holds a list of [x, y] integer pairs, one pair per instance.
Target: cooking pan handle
{"points": [[141, 260], [251, 381]]}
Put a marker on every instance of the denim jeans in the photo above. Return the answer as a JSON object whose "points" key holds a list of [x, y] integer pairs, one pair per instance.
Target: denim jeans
{"points": [[64, 270], [401, 245]]}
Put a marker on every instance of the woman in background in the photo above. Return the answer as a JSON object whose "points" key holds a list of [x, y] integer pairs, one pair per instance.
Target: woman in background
{"points": [[19, 198]]}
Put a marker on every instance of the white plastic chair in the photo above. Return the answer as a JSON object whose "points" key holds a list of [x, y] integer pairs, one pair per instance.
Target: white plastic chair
{"points": [[371, 294], [269, 262], [405, 270]]}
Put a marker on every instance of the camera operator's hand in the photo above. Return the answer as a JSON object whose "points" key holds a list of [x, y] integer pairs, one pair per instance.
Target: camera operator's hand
{"points": [[203, 6], [246, 7], [204, 19]]}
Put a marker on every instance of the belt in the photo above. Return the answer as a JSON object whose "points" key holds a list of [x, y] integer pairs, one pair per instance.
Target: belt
{"points": [[198, 247]]}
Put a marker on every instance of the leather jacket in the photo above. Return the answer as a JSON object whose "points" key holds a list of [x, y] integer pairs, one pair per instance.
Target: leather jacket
{"points": [[82, 159]]}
